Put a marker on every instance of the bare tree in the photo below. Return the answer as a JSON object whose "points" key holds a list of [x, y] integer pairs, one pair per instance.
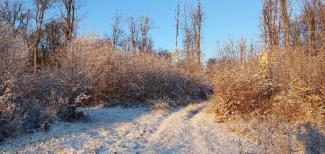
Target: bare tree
{"points": [[40, 8], [285, 23], [177, 24], [145, 27], [270, 23], [69, 19], [296, 31], [13, 14], [53, 35], [117, 31], [192, 29], [310, 19], [322, 19], [133, 32], [197, 29], [188, 40]]}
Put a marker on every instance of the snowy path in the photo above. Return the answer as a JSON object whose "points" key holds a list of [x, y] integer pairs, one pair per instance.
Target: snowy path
{"points": [[134, 130]]}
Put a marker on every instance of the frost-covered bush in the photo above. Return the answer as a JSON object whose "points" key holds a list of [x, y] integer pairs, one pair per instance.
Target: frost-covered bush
{"points": [[13, 51], [86, 71], [289, 90], [92, 70], [146, 76], [82, 64], [27, 100], [12, 64]]}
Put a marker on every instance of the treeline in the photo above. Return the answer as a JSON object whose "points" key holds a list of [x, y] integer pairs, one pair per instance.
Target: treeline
{"points": [[136, 38], [189, 24], [43, 31], [188, 28], [305, 28], [47, 26]]}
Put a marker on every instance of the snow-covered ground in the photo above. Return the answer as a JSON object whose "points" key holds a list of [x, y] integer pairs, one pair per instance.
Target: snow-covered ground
{"points": [[135, 130]]}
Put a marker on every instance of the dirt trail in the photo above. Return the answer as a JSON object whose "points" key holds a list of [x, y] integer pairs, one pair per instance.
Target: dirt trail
{"points": [[134, 130]]}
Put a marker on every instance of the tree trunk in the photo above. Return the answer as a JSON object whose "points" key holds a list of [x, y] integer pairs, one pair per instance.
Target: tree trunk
{"points": [[285, 22], [322, 20]]}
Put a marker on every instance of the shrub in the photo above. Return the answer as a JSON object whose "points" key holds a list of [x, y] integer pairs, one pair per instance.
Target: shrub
{"points": [[146, 76], [85, 72], [90, 67], [288, 89], [29, 101]]}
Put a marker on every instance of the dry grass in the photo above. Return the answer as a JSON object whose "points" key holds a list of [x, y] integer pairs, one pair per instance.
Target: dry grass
{"points": [[161, 105], [280, 96], [288, 89]]}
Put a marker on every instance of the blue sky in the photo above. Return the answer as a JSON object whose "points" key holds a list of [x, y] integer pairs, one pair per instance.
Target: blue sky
{"points": [[224, 19]]}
